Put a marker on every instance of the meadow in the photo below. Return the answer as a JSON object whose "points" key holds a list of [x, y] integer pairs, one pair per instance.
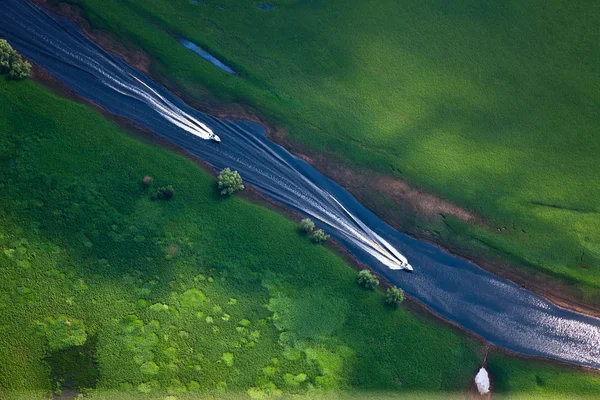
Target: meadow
{"points": [[493, 106]]}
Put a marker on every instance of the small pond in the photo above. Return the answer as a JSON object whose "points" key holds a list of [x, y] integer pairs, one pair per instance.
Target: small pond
{"points": [[207, 56]]}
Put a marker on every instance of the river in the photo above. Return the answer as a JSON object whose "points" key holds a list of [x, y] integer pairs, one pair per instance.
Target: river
{"points": [[495, 309]]}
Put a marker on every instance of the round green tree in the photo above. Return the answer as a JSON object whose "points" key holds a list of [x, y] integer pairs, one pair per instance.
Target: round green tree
{"points": [[394, 296], [367, 280], [19, 69], [319, 236], [12, 62], [230, 182], [306, 225]]}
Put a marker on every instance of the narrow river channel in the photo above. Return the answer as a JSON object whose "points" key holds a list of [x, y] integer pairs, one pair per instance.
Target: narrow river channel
{"points": [[496, 309]]}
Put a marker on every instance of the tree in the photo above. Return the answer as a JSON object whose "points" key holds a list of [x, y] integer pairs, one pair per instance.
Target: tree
{"points": [[319, 236], [230, 182], [7, 55], [62, 332], [147, 181], [367, 280], [20, 70], [12, 62], [164, 193], [307, 225], [394, 296]]}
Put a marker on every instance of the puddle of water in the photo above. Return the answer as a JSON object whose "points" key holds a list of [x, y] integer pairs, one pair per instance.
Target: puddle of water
{"points": [[266, 7], [207, 56]]}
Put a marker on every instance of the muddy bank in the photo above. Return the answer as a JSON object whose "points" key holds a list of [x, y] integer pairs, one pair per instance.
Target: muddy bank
{"points": [[107, 40]]}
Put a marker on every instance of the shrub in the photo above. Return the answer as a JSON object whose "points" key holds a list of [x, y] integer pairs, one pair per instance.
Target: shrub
{"points": [[12, 62], [147, 181], [230, 182], [227, 358], [306, 225], [149, 368], [19, 70], [394, 296], [164, 193], [319, 236], [367, 280]]}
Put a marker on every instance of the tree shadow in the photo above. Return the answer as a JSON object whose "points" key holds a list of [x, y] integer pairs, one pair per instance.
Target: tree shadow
{"points": [[73, 370]]}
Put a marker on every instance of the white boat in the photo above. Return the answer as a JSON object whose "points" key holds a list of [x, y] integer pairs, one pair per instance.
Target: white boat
{"points": [[214, 138]]}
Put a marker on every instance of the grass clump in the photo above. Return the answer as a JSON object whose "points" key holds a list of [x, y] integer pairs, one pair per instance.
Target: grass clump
{"points": [[319, 236], [147, 181]]}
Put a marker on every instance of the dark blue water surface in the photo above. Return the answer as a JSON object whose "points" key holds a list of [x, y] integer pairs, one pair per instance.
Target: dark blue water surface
{"points": [[495, 309]]}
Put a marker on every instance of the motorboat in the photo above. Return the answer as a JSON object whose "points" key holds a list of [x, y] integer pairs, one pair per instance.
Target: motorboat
{"points": [[214, 138]]}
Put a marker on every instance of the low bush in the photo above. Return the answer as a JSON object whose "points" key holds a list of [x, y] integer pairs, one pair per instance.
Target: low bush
{"points": [[394, 296], [367, 280], [147, 181], [230, 182], [164, 193], [306, 225], [319, 236], [62, 332]]}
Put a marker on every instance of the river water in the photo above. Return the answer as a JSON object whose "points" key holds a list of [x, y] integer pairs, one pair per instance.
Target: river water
{"points": [[496, 309]]}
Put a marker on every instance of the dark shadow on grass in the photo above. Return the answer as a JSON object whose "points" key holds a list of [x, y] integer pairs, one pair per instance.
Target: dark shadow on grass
{"points": [[73, 370]]}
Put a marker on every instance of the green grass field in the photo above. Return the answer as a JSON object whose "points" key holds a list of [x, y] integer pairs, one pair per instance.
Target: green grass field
{"points": [[518, 379], [491, 105]]}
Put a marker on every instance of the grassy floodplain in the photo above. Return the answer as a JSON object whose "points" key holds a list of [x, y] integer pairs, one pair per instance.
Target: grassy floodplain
{"points": [[491, 105]]}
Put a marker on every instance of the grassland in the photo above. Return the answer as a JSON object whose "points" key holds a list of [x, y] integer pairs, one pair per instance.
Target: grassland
{"points": [[525, 380], [490, 105]]}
